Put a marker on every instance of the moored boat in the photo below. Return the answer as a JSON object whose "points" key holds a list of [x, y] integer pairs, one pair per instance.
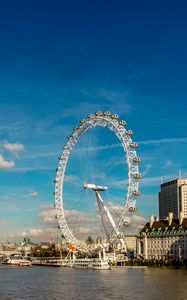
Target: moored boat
{"points": [[86, 263], [16, 259]]}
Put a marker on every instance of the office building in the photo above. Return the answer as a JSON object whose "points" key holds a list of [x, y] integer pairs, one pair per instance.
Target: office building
{"points": [[173, 198]]}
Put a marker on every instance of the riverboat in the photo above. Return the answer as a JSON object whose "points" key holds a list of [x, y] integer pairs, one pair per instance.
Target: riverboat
{"points": [[47, 263], [16, 259], [89, 263]]}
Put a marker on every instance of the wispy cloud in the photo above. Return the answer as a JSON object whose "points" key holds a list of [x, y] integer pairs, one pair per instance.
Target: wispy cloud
{"points": [[144, 182], [146, 142], [168, 164], [147, 169], [44, 154], [118, 100], [137, 73], [33, 193], [29, 168], [164, 141], [98, 148], [71, 178], [14, 148]]}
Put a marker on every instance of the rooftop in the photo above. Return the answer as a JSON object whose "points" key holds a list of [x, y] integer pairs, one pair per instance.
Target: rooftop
{"points": [[163, 225]]}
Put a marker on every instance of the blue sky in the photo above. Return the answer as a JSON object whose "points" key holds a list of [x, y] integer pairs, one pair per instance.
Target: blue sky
{"points": [[60, 61]]}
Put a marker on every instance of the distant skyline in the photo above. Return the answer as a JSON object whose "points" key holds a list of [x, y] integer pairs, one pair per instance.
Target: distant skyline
{"points": [[60, 61]]}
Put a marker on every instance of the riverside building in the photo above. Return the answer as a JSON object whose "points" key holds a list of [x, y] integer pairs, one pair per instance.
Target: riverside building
{"points": [[164, 239], [173, 198]]}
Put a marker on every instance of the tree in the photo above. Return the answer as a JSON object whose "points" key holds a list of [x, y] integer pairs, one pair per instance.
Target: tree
{"points": [[89, 240]]}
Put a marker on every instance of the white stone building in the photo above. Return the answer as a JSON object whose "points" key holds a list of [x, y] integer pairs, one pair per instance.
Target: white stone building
{"points": [[164, 239]]}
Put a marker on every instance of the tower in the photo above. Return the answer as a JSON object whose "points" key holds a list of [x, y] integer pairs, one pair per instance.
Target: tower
{"points": [[173, 198]]}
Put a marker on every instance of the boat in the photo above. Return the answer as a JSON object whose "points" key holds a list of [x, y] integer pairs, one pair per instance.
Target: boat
{"points": [[71, 260], [86, 263], [47, 263], [16, 259], [95, 264]]}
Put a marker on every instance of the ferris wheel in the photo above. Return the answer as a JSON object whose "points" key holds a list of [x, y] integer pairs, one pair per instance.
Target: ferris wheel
{"points": [[118, 226]]}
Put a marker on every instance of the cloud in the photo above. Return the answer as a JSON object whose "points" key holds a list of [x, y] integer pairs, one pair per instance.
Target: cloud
{"points": [[44, 154], [98, 148], [14, 148], [138, 220], [33, 232], [151, 181], [118, 100], [70, 178], [147, 168], [137, 73], [149, 197], [168, 164], [3, 222], [84, 230], [33, 193], [48, 216], [164, 141], [79, 222], [144, 182], [4, 164], [148, 142], [29, 168]]}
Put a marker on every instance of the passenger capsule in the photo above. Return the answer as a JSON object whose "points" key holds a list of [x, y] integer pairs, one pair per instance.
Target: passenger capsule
{"points": [[91, 116], [136, 193], [126, 223], [136, 160], [129, 132], [107, 114], [98, 113], [122, 123], [56, 193], [82, 121], [57, 180], [137, 176], [132, 208], [133, 145], [115, 117], [66, 148]]}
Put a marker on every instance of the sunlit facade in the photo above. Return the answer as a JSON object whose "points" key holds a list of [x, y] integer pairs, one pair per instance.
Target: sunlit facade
{"points": [[173, 198], [164, 239]]}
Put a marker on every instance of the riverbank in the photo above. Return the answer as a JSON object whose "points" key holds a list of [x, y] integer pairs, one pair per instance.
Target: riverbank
{"points": [[167, 264]]}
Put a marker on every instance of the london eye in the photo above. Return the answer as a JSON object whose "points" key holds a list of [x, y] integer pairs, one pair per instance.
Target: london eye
{"points": [[114, 213]]}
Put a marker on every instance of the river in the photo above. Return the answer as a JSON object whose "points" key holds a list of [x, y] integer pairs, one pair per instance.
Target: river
{"points": [[43, 283]]}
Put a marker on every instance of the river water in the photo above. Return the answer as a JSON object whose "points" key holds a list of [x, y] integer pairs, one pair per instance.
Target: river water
{"points": [[38, 282]]}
